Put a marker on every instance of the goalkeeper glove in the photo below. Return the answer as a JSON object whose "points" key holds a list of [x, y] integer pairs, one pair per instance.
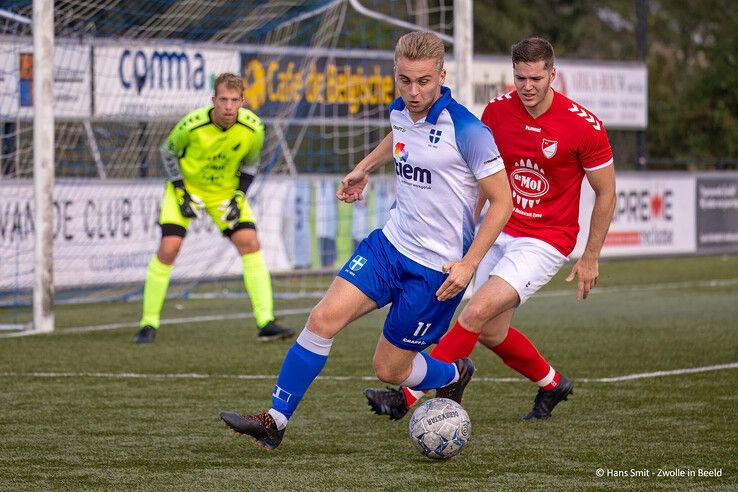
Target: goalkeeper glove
{"points": [[189, 204], [232, 209]]}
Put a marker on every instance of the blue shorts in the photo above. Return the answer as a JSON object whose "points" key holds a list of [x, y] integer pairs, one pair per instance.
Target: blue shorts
{"points": [[416, 319]]}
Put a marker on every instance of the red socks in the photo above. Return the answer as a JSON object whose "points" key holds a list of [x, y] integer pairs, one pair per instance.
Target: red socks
{"points": [[456, 344], [520, 354]]}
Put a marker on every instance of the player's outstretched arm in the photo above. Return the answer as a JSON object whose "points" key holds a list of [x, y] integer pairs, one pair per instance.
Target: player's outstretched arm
{"points": [[497, 190], [587, 269], [353, 184]]}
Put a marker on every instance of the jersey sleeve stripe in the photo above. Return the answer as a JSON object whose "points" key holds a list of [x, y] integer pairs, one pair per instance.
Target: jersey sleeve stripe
{"points": [[599, 166], [499, 165]]}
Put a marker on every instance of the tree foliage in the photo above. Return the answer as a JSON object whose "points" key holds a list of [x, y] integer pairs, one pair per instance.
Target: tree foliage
{"points": [[691, 57], [693, 79]]}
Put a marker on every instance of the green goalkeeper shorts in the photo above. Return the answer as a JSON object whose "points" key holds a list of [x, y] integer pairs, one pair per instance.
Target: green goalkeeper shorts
{"points": [[170, 213]]}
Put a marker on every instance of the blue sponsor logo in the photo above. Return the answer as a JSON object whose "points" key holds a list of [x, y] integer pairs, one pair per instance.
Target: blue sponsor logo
{"points": [[434, 136], [357, 262], [414, 173], [164, 70]]}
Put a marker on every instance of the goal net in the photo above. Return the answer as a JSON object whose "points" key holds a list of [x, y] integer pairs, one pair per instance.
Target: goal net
{"points": [[318, 73]]}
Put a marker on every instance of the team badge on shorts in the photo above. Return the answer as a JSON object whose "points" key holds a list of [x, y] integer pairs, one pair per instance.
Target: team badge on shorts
{"points": [[357, 262]]}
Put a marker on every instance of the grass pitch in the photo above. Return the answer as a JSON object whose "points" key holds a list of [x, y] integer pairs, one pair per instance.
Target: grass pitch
{"points": [[90, 410]]}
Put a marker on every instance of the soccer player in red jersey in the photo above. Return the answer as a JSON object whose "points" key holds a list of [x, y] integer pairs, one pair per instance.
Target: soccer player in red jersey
{"points": [[548, 144]]}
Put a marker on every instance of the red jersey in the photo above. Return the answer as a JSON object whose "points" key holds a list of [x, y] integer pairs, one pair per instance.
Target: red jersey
{"points": [[545, 159]]}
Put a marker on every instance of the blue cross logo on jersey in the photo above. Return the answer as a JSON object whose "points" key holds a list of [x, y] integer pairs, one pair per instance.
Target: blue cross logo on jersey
{"points": [[434, 136], [357, 262]]}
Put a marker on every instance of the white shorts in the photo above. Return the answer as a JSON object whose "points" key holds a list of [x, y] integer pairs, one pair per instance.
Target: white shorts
{"points": [[525, 263]]}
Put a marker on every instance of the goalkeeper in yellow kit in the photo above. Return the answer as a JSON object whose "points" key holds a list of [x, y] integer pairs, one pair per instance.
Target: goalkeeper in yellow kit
{"points": [[210, 157]]}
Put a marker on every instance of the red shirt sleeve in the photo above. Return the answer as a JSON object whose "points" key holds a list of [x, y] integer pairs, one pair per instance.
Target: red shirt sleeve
{"points": [[595, 150]]}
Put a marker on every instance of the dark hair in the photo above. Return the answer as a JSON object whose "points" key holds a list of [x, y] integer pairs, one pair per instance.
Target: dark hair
{"points": [[533, 50], [231, 81]]}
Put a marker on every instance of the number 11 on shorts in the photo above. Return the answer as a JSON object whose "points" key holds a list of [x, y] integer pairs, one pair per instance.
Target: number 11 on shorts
{"points": [[421, 329]]}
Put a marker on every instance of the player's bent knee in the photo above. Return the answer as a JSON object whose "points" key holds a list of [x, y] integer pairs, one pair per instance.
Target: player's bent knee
{"points": [[169, 249], [387, 374], [167, 255], [474, 316], [389, 370], [166, 259], [322, 323], [252, 246]]}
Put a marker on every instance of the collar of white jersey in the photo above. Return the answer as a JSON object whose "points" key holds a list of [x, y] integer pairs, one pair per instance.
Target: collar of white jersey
{"points": [[435, 111], [438, 106]]}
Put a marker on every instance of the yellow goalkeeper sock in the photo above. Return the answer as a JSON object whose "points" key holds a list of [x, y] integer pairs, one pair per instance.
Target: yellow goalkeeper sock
{"points": [[258, 284], [155, 290]]}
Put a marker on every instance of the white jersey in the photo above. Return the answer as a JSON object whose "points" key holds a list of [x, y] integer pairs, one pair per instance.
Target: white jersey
{"points": [[438, 161]]}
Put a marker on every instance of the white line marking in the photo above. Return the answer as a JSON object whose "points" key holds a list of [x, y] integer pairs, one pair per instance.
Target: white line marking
{"points": [[712, 283], [173, 321], [133, 375], [25, 333], [12, 326], [657, 374], [178, 321]]}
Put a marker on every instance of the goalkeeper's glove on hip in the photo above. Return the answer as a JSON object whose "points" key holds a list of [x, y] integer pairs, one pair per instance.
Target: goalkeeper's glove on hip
{"points": [[232, 209], [189, 204]]}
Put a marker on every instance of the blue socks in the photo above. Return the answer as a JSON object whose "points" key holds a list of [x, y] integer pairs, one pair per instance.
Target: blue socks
{"points": [[302, 364], [437, 373]]}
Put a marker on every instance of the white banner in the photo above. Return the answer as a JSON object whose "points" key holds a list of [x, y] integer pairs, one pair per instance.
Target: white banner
{"points": [[617, 93], [654, 214], [162, 80], [105, 232], [72, 77]]}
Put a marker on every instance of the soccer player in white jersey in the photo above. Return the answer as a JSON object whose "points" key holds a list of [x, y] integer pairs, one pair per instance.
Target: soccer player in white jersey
{"points": [[423, 258], [548, 143]]}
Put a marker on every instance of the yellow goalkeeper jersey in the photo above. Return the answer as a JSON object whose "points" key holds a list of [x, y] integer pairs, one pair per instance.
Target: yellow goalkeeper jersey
{"points": [[210, 157]]}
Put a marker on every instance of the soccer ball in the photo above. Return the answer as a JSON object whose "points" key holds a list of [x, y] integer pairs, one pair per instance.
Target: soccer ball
{"points": [[440, 428]]}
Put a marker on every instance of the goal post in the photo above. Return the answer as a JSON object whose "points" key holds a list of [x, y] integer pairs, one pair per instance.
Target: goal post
{"points": [[463, 50], [43, 164]]}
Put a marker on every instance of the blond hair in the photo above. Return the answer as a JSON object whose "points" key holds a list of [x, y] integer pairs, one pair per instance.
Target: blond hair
{"points": [[231, 81], [419, 45]]}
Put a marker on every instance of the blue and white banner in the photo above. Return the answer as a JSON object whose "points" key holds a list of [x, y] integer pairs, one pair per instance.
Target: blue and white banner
{"points": [[165, 80]]}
